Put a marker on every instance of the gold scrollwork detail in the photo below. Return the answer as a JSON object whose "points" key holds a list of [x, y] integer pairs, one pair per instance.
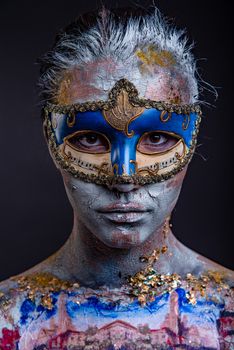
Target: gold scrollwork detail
{"points": [[149, 170], [103, 169], [115, 168], [136, 166], [120, 116], [186, 122], [180, 157], [106, 173], [71, 119], [145, 169], [163, 118], [131, 99]]}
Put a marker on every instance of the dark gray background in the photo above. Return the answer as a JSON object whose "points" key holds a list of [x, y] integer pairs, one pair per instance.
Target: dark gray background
{"points": [[36, 217]]}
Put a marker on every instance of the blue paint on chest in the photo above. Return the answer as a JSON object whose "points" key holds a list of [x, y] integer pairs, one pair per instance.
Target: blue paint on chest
{"points": [[94, 306], [205, 309], [29, 308], [26, 309]]}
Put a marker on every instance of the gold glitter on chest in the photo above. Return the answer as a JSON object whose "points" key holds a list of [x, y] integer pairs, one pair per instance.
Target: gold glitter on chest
{"points": [[144, 286], [43, 284]]}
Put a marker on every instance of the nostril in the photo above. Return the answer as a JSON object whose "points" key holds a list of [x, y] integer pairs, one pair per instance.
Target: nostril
{"points": [[124, 187]]}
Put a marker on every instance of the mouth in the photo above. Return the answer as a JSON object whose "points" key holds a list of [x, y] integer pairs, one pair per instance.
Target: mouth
{"points": [[124, 212]]}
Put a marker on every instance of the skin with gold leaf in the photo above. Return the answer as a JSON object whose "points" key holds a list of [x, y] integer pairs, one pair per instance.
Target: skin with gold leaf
{"points": [[122, 280]]}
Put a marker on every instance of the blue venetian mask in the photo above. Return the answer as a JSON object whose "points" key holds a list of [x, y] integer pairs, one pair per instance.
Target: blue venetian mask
{"points": [[125, 139]]}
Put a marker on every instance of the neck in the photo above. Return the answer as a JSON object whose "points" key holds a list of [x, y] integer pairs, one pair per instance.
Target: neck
{"points": [[87, 260]]}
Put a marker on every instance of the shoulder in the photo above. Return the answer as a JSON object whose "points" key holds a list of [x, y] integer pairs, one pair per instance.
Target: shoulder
{"points": [[221, 272], [198, 264], [7, 289], [9, 307]]}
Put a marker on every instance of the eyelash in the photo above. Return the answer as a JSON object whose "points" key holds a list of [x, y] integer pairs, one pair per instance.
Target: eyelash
{"points": [[144, 144]]}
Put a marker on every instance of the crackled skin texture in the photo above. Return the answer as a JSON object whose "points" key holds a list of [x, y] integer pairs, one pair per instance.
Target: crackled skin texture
{"points": [[103, 253], [93, 81]]}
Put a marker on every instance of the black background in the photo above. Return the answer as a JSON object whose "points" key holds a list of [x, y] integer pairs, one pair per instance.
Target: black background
{"points": [[36, 217]]}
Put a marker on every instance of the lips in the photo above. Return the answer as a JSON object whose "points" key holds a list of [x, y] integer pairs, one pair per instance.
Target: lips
{"points": [[123, 208], [124, 212]]}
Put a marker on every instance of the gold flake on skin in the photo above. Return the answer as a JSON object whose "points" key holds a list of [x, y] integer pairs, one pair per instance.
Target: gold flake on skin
{"points": [[43, 285], [63, 95], [154, 56]]}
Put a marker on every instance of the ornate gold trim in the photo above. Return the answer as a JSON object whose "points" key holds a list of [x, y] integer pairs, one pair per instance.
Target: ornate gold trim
{"points": [[120, 116], [104, 176], [148, 169], [163, 113], [71, 119], [186, 122], [133, 99]]}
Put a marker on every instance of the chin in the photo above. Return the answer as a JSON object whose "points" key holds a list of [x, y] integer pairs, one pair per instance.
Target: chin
{"points": [[123, 240]]}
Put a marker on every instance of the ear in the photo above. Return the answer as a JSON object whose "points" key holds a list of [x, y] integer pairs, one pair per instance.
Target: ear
{"points": [[45, 133]]}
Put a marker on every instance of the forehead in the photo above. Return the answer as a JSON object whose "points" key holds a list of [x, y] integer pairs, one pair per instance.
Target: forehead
{"points": [[94, 80]]}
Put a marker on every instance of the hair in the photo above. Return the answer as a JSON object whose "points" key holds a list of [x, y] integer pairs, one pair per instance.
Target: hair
{"points": [[116, 34]]}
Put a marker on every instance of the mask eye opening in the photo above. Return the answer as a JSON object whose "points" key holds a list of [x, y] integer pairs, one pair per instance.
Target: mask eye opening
{"points": [[177, 140], [67, 141]]}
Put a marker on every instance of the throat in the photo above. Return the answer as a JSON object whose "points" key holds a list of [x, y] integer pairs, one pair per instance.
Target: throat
{"points": [[92, 263]]}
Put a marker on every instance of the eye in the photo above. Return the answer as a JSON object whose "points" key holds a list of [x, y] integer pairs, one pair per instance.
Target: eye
{"points": [[90, 142], [156, 142]]}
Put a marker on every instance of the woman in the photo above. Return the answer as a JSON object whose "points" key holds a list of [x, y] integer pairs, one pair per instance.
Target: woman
{"points": [[121, 117]]}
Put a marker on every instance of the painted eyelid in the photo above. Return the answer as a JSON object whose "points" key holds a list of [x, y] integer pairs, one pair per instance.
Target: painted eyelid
{"points": [[158, 143], [177, 137], [80, 138], [82, 133]]}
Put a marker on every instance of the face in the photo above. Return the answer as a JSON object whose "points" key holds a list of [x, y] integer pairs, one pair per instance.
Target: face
{"points": [[122, 216], [140, 145]]}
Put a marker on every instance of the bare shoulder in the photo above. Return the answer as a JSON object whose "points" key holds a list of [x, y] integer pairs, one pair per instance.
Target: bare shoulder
{"points": [[8, 304], [204, 264], [7, 285]]}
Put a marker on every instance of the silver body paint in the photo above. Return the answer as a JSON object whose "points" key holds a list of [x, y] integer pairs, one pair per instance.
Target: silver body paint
{"points": [[115, 226], [135, 215], [104, 248]]}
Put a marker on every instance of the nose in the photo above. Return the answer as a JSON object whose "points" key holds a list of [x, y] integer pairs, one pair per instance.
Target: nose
{"points": [[124, 187]]}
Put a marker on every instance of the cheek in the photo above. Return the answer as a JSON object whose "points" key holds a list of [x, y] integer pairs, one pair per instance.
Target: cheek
{"points": [[177, 180], [81, 195], [165, 195]]}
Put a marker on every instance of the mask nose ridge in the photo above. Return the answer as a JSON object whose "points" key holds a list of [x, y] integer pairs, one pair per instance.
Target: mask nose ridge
{"points": [[123, 155]]}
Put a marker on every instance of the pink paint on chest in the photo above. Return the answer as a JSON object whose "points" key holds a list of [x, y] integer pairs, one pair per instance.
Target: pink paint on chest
{"points": [[9, 339]]}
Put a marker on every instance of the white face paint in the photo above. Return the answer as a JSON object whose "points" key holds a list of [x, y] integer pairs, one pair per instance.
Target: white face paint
{"points": [[126, 215]]}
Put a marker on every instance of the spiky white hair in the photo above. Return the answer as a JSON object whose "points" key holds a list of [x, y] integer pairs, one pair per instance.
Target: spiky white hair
{"points": [[111, 37]]}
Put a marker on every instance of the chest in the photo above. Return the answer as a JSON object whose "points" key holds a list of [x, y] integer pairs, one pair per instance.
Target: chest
{"points": [[90, 322]]}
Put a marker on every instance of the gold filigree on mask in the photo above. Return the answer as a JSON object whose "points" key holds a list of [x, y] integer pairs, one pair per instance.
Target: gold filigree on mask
{"points": [[165, 116], [186, 121], [123, 113], [122, 107]]}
